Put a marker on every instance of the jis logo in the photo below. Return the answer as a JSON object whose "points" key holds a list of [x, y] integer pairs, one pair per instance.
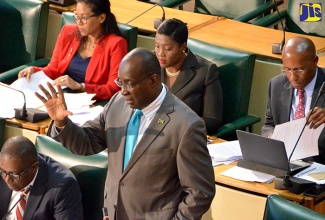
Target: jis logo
{"points": [[310, 12]]}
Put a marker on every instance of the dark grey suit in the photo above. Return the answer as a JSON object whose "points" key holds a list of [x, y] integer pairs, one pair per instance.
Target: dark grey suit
{"points": [[170, 173], [280, 95], [55, 194], [198, 86]]}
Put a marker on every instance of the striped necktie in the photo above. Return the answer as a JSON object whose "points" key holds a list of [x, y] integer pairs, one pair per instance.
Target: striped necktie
{"points": [[21, 206], [131, 136]]}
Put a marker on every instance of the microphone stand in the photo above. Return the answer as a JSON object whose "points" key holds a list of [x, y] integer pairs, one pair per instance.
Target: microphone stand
{"points": [[157, 21], [293, 184], [22, 195], [276, 47]]}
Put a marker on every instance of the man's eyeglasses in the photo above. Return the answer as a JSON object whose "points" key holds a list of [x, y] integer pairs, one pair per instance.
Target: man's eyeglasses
{"points": [[295, 71], [4, 174], [83, 19], [129, 86]]}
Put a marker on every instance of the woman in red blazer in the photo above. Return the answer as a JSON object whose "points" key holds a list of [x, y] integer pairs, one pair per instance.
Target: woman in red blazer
{"points": [[87, 55]]}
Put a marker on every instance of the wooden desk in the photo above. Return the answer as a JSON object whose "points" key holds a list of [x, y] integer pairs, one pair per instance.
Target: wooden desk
{"points": [[39, 127], [265, 189], [250, 38]]}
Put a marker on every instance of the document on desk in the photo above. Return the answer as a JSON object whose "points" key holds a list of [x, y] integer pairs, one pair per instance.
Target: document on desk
{"points": [[247, 175], [315, 173], [225, 152], [289, 133]]}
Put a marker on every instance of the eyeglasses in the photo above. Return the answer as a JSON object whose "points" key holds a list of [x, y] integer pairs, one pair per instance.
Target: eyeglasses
{"points": [[4, 174], [83, 19], [129, 86], [295, 71]]}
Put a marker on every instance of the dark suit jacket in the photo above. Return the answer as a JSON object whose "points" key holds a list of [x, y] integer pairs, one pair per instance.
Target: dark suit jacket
{"points": [[55, 194], [279, 104], [170, 173], [198, 86]]}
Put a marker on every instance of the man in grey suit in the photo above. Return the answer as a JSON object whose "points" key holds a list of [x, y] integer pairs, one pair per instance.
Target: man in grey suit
{"points": [[170, 174], [54, 194], [300, 72]]}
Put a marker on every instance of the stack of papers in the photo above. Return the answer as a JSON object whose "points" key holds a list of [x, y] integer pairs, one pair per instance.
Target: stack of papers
{"points": [[76, 102], [224, 153], [314, 173], [248, 175]]}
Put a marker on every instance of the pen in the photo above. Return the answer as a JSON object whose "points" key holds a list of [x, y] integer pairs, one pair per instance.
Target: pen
{"points": [[307, 171]]}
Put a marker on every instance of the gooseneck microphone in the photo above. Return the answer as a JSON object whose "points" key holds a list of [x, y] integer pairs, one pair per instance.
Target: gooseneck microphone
{"points": [[293, 184], [157, 21], [22, 195], [27, 114], [277, 47], [19, 113]]}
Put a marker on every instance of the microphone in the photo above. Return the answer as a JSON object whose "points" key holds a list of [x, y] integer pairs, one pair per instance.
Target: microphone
{"points": [[22, 195], [29, 114], [293, 184], [277, 47], [157, 21]]}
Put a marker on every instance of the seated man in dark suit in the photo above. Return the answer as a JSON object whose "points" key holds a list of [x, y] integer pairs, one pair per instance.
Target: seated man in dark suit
{"points": [[54, 193], [291, 95]]}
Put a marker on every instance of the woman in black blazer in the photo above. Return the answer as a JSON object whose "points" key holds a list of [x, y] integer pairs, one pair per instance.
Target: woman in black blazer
{"points": [[190, 77]]}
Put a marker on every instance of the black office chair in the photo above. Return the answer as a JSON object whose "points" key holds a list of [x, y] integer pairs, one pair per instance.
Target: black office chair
{"points": [[298, 19], [236, 74], [2, 130], [278, 208], [90, 172]]}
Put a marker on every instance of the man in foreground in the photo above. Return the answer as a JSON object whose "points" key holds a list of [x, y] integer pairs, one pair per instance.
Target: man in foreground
{"points": [[167, 172]]}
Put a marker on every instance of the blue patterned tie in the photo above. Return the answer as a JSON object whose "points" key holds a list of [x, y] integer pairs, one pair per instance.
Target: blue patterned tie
{"points": [[131, 136]]}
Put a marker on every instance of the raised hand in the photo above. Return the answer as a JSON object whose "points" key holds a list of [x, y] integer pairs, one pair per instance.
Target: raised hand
{"points": [[55, 105]]}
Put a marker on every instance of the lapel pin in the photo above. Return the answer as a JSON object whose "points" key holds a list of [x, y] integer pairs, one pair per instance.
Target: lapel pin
{"points": [[161, 121]]}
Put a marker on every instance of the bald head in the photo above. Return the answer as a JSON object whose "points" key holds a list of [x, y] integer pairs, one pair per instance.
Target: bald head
{"points": [[19, 147], [299, 46]]}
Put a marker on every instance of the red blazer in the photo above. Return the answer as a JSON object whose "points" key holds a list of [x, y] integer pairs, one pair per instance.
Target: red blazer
{"points": [[103, 65]]}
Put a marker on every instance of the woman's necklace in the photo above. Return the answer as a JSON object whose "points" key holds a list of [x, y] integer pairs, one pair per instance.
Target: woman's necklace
{"points": [[173, 74]]}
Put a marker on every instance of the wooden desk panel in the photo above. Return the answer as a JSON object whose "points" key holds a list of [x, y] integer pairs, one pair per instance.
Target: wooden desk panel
{"points": [[39, 127], [250, 38]]}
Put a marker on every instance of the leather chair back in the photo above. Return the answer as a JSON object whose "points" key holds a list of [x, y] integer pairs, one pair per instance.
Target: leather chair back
{"points": [[279, 208], [226, 8], [235, 74], [90, 172], [311, 24], [23, 29], [129, 32]]}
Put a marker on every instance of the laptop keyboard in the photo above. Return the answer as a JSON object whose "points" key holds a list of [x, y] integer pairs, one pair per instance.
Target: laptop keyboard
{"points": [[294, 166]]}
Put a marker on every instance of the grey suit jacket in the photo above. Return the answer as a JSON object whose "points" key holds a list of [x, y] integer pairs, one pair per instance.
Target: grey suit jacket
{"points": [[280, 95], [55, 194], [169, 175], [198, 86]]}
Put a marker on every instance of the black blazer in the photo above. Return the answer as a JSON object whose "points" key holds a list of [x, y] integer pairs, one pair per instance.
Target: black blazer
{"points": [[198, 86], [55, 194], [279, 104]]}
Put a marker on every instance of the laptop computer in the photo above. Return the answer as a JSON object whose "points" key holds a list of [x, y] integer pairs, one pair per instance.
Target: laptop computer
{"points": [[266, 155]]}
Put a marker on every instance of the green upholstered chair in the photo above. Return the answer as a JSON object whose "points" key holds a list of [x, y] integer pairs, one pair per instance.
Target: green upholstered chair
{"points": [[2, 130], [168, 3], [236, 74], [129, 32], [90, 171], [23, 29], [278, 208], [244, 10], [292, 18]]}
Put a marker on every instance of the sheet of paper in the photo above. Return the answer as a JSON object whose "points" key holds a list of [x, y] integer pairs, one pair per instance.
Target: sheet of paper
{"points": [[225, 152], [289, 133], [80, 119], [315, 173], [247, 175]]}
